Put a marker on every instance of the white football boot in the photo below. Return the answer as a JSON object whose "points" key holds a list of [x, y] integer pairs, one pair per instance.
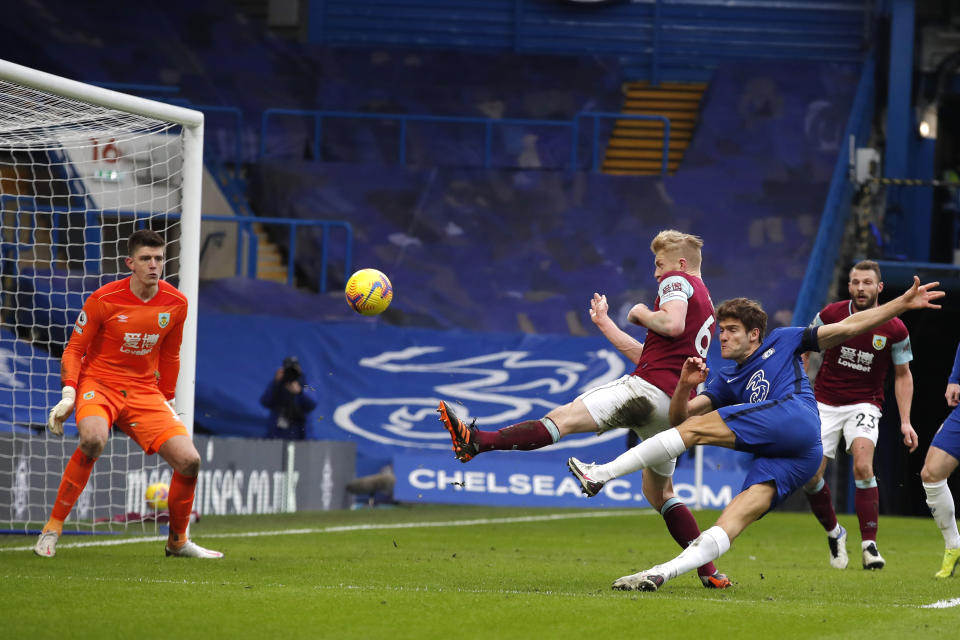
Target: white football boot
{"points": [[191, 549], [46, 546], [838, 550]]}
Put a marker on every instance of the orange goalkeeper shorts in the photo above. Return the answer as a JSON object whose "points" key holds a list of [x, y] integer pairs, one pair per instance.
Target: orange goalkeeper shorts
{"points": [[140, 412]]}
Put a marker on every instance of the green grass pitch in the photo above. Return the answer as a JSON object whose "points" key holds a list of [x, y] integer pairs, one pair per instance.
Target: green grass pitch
{"points": [[470, 572]]}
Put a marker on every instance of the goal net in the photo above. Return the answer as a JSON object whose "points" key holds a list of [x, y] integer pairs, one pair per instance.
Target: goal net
{"points": [[80, 169]]}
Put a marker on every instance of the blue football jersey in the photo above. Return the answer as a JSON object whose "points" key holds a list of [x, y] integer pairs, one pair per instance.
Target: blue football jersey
{"points": [[773, 372]]}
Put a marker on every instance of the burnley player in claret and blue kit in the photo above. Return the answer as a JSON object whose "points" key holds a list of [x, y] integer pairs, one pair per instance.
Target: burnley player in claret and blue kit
{"points": [[763, 405], [849, 391]]}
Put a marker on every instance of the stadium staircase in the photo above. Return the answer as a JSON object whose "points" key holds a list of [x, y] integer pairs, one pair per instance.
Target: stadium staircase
{"points": [[270, 263], [636, 146]]}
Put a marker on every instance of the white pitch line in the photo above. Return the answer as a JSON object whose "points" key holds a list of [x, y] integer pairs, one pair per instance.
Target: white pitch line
{"points": [[942, 604], [358, 527]]}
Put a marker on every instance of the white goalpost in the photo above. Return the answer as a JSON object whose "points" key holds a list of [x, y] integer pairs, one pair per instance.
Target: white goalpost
{"points": [[81, 168]]}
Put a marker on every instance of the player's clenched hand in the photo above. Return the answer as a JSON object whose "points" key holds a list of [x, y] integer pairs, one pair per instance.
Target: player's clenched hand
{"points": [[638, 314], [61, 411], [694, 372], [953, 394], [910, 439], [598, 308]]}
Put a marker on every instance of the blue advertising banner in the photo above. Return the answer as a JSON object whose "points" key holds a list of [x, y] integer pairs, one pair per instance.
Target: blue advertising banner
{"points": [[379, 386], [503, 479]]}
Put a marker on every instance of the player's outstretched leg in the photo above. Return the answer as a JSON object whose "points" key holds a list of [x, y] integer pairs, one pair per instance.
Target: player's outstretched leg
{"points": [[468, 441], [463, 436]]}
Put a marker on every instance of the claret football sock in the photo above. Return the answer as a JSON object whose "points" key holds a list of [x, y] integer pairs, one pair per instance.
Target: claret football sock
{"points": [[527, 435], [180, 503], [684, 528], [867, 502], [821, 503], [75, 477]]}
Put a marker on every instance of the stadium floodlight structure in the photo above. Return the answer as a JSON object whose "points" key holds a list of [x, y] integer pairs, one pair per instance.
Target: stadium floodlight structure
{"points": [[82, 167]]}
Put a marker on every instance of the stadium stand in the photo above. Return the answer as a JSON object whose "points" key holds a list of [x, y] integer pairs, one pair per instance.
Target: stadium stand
{"points": [[761, 162]]}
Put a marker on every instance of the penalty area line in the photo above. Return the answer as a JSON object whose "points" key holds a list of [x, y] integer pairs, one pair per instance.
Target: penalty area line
{"points": [[359, 527]]}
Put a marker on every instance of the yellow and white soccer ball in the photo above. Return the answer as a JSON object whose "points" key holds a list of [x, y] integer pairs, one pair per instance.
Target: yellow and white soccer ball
{"points": [[156, 496], [369, 292]]}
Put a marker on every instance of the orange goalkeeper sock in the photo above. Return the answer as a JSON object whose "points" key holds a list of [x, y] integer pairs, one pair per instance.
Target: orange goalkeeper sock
{"points": [[180, 503], [74, 479]]}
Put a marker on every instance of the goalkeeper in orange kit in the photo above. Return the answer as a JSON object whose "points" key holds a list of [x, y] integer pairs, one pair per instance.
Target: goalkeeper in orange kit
{"points": [[120, 368]]}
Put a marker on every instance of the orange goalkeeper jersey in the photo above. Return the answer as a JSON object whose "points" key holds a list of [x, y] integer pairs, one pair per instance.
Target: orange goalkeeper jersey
{"points": [[125, 342]]}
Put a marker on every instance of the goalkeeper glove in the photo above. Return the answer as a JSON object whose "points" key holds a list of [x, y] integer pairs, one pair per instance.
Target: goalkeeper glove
{"points": [[62, 411]]}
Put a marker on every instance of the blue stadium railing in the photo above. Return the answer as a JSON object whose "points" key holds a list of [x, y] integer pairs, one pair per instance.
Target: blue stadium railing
{"points": [[294, 225], [26, 236], [573, 128]]}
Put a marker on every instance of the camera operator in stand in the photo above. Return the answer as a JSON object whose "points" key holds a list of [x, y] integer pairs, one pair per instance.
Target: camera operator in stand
{"points": [[289, 400]]}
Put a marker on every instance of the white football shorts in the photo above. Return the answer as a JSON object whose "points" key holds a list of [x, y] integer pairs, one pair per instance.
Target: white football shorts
{"points": [[861, 420], [631, 402]]}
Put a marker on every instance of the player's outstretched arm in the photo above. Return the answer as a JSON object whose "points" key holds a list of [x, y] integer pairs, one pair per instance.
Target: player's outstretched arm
{"points": [[62, 410], [918, 296], [626, 344]]}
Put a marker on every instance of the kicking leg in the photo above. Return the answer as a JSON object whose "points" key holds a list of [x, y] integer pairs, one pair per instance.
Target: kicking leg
{"points": [[468, 440], [665, 446]]}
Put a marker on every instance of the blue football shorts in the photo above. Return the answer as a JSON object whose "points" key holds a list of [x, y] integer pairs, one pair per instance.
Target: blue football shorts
{"points": [[948, 436], [784, 437]]}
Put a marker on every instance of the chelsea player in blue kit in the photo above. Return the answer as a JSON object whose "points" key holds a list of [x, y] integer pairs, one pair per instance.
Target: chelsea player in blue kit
{"points": [[943, 456], [763, 405]]}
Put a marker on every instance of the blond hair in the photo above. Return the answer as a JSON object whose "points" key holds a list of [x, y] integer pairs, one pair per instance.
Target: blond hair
{"points": [[688, 245]]}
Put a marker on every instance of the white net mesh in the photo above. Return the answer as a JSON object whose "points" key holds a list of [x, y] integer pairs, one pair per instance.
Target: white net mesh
{"points": [[76, 179]]}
